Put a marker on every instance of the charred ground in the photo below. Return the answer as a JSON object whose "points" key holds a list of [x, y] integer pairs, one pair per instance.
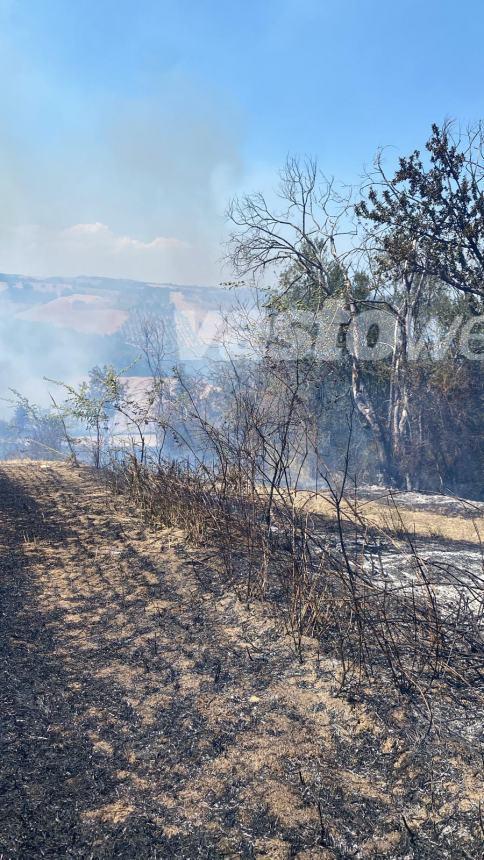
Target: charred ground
{"points": [[149, 712]]}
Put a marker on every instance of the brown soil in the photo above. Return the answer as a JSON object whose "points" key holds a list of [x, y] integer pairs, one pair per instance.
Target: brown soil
{"points": [[148, 713]]}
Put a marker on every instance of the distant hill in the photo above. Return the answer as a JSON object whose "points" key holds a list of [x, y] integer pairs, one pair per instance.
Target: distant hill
{"points": [[61, 327]]}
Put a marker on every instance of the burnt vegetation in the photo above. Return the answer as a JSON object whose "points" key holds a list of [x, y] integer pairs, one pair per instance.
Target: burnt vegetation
{"points": [[238, 463]]}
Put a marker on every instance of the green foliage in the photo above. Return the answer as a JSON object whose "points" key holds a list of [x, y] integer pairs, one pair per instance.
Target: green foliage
{"points": [[36, 431], [430, 215], [93, 402]]}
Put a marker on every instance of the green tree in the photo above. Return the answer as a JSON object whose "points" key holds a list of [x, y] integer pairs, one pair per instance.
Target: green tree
{"points": [[428, 218]]}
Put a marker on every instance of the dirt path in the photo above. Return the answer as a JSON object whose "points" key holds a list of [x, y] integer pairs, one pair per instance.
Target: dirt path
{"points": [[146, 713]]}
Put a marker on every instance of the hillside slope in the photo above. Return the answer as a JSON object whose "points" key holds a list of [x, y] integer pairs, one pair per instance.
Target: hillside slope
{"points": [[61, 327], [149, 713]]}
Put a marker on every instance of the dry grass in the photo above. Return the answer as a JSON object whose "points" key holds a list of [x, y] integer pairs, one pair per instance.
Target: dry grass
{"points": [[394, 519], [151, 713]]}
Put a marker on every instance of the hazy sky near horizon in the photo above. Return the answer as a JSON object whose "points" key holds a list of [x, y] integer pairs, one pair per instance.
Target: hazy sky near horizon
{"points": [[126, 126]]}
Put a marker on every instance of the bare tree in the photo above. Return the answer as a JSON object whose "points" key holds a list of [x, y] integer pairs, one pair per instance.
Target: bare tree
{"points": [[306, 241]]}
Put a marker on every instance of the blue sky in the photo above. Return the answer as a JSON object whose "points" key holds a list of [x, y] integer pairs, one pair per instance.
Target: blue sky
{"points": [[126, 126]]}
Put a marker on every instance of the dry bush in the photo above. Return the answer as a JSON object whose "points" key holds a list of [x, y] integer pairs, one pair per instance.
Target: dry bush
{"points": [[238, 492], [320, 580]]}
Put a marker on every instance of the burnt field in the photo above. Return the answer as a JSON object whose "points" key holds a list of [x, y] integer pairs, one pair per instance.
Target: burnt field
{"points": [[154, 706], [399, 534]]}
